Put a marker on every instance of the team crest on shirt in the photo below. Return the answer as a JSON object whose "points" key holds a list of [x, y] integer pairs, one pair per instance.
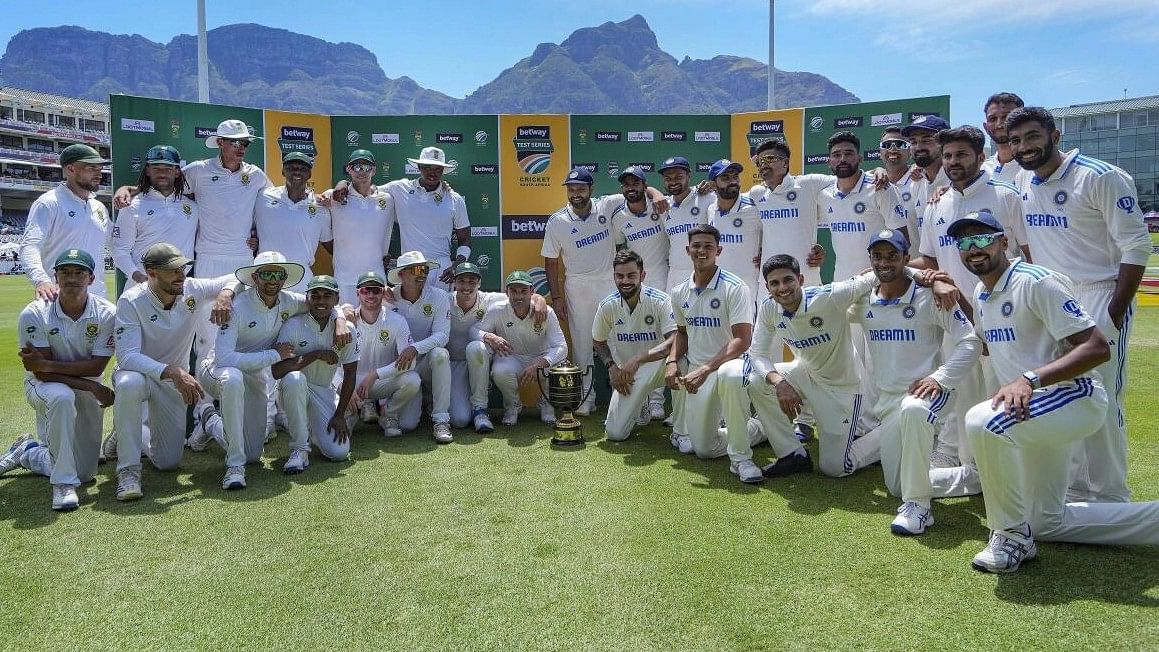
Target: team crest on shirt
{"points": [[100, 214], [538, 328], [382, 202], [1007, 309], [153, 318], [655, 217], [428, 310], [603, 220], [384, 336], [303, 343], [120, 329], [191, 303], [695, 211], [909, 312], [479, 313], [55, 331], [187, 209], [816, 322], [714, 304], [905, 196], [285, 315], [859, 208], [252, 324], [510, 324], [737, 222], [791, 195], [312, 210], [90, 331], [649, 319], [1073, 308], [245, 179], [1060, 197]]}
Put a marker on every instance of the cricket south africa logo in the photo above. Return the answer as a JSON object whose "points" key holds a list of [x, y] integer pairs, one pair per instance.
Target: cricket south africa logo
{"points": [[533, 148]]}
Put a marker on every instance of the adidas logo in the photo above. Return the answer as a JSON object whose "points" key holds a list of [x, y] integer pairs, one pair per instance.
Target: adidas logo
{"points": [[869, 315], [941, 220], [627, 225], [619, 322], [830, 210], [574, 230]]}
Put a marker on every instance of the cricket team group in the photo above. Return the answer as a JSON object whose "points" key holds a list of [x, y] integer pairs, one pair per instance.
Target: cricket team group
{"points": [[975, 339]]}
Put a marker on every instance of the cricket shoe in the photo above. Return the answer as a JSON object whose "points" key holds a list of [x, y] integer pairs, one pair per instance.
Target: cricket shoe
{"points": [[511, 414], [912, 520], [682, 443], [1004, 554], [368, 413], [656, 412], [482, 421], [299, 461], [64, 498], [645, 416], [129, 484], [747, 471], [234, 478], [546, 412], [11, 459], [109, 447], [442, 433], [788, 465], [390, 427]]}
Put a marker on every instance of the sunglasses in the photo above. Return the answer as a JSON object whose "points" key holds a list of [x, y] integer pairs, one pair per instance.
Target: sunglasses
{"points": [[422, 270], [980, 241], [770, 159], [362, 168], [894, 143], [370, 289], [240, 144], [271, 274]]}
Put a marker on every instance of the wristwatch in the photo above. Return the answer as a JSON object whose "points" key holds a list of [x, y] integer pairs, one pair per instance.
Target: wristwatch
{"points": [[1033, 379]]}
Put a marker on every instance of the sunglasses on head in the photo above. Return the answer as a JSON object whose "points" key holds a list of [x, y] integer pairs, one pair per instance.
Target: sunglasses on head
{"points": [[894, 143], [420, 269], [362, 168], [240, 144], [980, 241], [271, 274], [370, 289]]}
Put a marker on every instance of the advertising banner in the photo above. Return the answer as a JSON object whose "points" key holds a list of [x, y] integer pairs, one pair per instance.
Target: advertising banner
{"points": [[751, 129]]}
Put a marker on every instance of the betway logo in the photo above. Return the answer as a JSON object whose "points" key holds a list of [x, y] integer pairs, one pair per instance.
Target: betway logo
{"points": [[204, 132], [847, 122], [524, 227], [674, 136], [608, 136], [648, 166], [297, 133], [816, 158], [767, 127], [485, 168], [533, 132], [448, 138], [590, 167]]}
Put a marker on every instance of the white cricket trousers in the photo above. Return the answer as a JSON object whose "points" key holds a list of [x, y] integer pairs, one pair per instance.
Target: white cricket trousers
{"points": [[308, 412], [470, 383], [722, 392], [243, 410], [71, 422], [584, 294], [393, 391], [1024, 467], [505, 372], [166, 420], [623, 409], [434, 368], [838, 415]]}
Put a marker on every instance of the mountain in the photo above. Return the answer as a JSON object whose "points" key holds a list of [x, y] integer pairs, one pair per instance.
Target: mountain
{"points": [[613, 68]]}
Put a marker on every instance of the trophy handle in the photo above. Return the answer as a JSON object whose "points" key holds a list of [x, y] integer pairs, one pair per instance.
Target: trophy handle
{"points": [[591, 387], [540, 373]]}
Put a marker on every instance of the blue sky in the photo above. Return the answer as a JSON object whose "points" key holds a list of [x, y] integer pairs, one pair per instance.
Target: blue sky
{"points": [[1052, 52]]}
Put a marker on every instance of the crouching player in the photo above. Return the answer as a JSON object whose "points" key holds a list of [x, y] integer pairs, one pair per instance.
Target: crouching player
{"points": [[382, 335]]}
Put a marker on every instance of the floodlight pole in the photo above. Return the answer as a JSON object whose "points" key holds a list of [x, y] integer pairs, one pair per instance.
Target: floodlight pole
{"points": [[772, 83], [202, 56]]}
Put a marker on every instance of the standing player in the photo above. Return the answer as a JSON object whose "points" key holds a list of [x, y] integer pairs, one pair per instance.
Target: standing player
{"points": [[1083, 218], [67, 217], [362, 227], [159, 213], [735, 216], [638, 224], [1001, 165], [66, 345], [788, 208], [383, 335], [521, 346], [893, 150], [922, 134], [632, 333], [288, 218], [687, 208], [315, 412], [1046, 348]]}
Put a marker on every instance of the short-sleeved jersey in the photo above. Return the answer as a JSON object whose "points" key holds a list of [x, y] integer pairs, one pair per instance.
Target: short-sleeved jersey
{"points": [[913, 208], [462, 321], [306, 334], [426, 219], [150, 337], [226, 200], [1007, 172], [247, 341], [643, 233], [851, 218], [630, 332], [293, 229], [586, 244], [429, 317], [1084, 219], [678, 221], [923, 190], [380, 341], [524, 335], [149, 219], [45, 326], [362, 229], [57, 221], [708, 314], [789, 215], [904, 339], [740, 238], [1025, 319]]}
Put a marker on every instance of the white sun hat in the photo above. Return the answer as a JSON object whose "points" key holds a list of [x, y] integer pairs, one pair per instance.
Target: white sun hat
{"points": [[408, 259], [231, 130], [294, 271], [431, 156]]}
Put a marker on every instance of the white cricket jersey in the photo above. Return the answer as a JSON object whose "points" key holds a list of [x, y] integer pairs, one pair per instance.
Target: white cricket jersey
{"points": [[852, 218], [149, 219], [380, 342], [740, 238], [57, 221], [429, 317], [1025, 319], [922, 191], [43, 325], [226, 201], [643, 233], [149, 337], [524, 335], [817, 333], [247, 341], [707, 315], [462, 321], [306, 334], [678, 221], [1007, 172], [1084, 220], [913, 208], [362, 229], [293, 229], [983, 193], [631, 332], [427, 219], [585, 244], [904, 339], [789, 215]]}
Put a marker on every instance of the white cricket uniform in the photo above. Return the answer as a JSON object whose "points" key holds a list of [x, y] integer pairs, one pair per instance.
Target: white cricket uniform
{"points": [[429, 318], [293, 229], [852, 218], [904, 338], [789, 220], [1024, 464], [469, 381], [740, 240], [528, 341], [379, 343], [149, 338], [630, 332], [923, 191], [1084, 221], [59, 220], [1007, 172], [644, 234], [308, 395], [70, 420], [678, 221], [586, 246], [707, 316], [824, 372], [149, 219], [362, 229], [426, 220]]}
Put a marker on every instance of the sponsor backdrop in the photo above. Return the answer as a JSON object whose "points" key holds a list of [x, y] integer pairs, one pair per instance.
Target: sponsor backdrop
{"points": [[308, 133], [752, 129], [469, 141]]}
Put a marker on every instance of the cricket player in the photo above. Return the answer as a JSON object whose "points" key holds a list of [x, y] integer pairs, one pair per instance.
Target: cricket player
{"points": [[893, 151], [289, 219], [519, 347], [1001, 165], [315, 412], [382, 335], [632, 332], [1083, 219], [160, 212], [687, 208], [66, 345], [638, 223], [67, 217], [922, 134], [156, 324], [1046, 349], [362, 227], [788, 208], [735, 216]]}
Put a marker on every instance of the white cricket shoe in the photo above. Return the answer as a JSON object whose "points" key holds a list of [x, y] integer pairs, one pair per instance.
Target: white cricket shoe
{"points": [[442, 433], [299, 461], [482, 421], [669, 420], [1004, 554], [64, 498], [129, 484], [546, 412], [234, 478], [645, 416], [199, 439], [390, 427], [656, 412], [747, 471], [682, 443], [368, 413], [511, 414], [11, 459], [109, 447], [912, 520]]}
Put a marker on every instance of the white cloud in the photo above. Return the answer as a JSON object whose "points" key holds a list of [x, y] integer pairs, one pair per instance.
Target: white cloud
{"points": [[990, 12]]}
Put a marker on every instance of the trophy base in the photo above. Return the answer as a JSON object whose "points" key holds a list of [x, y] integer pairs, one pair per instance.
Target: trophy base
{"points": [[569, 431]]}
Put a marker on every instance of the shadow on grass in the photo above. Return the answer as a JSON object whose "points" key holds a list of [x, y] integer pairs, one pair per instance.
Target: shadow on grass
{"points": [[1064, 573]]}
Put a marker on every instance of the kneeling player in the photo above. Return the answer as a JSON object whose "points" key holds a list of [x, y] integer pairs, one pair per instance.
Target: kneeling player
{"points": [[382, 335]]}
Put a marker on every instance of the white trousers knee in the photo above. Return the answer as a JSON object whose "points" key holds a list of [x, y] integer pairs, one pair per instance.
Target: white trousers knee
{"points": [[435, 370], [167, 414], [623, 409], [71, 422], [395, 391], [308, 411], [723, 392], [243, 410]]}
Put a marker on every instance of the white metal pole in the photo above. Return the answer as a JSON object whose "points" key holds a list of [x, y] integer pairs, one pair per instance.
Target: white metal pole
{"points": [[772, 82], [202, 56]]}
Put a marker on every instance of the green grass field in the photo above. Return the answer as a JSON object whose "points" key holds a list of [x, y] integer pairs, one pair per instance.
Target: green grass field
{"points": [[501, 542]]}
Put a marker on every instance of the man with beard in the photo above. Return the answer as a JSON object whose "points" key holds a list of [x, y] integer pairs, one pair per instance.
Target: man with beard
{"points": [[382, 336], [632, 334], [893, 150], [1046, 348], [288, 218], [521, 347], [1083, 217], [66, 217], [638, 224], [737, 220], [362, 227], [159, 213], [1001, 165], [788, 209], [687, 208], [153, 339], [922, 135]]}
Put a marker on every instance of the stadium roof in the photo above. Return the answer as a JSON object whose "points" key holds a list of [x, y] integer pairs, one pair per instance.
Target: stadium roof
{"points": [[1094, 108], [58, 102]]}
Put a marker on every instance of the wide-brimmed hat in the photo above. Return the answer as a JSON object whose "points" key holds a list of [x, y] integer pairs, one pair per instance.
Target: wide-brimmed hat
{"points": [[230, 130], [294, 271], [431, 156], [408, 259]]}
